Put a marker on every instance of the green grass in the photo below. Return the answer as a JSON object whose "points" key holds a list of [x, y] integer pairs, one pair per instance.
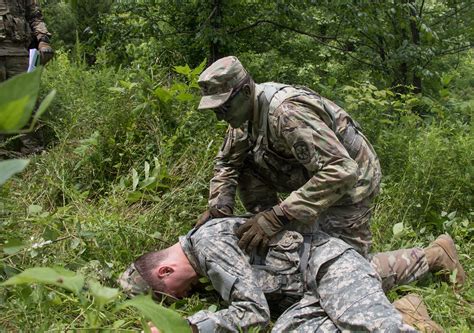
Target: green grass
{"points": [[79, 193]]}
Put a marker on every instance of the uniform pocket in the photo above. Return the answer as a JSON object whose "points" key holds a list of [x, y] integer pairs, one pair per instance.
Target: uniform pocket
{"points": [[281, 265], [19, 32], [283, 254]]}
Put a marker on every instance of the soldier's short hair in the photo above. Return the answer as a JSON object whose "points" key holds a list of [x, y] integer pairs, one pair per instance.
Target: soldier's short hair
{"points": [[146, 263], [139, 278]]}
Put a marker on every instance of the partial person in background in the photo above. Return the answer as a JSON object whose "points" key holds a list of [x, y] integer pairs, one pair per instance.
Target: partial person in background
{"points": [[21, 28]]}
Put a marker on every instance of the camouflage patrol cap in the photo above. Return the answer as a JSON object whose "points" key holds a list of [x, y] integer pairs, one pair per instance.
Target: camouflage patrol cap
{"points": [[219, 80], [132, 282]]}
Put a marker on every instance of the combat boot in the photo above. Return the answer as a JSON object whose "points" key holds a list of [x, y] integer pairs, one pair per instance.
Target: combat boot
{"points": [[414, 313], [442, 256]]}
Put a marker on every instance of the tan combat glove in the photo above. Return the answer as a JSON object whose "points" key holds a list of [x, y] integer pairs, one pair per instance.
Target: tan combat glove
{"points": [[213, 213], [257, 231], [46, 51]]}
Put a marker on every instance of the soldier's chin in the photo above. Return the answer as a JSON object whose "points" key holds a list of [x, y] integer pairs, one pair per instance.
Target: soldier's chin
{"points": [[234, 123]]}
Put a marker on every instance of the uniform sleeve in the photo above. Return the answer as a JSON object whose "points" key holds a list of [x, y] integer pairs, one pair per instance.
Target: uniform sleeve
{"points": [[317, 148], [231, 275], [228, 163], [35, 19]]}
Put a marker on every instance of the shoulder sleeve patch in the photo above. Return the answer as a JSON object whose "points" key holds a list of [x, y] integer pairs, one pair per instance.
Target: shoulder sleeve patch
{"points": [[302, 152]]}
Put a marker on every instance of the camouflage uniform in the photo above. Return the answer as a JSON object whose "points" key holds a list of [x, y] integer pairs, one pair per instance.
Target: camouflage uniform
{"points": [[305, 145], [298, 147], [336, 289], [21, 23]]}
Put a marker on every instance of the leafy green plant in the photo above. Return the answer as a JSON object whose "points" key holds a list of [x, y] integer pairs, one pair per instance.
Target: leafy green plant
{"points": [[17, 100], [93, 298], [154, 181]]}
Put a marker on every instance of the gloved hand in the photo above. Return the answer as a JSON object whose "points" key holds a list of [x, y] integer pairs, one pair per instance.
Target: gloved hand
{"points": [[213, 213], [46, 52], [257, 231]]}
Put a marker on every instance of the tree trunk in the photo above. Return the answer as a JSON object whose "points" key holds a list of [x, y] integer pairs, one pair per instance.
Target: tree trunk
{"points": [[215, 20], [415, 36]]}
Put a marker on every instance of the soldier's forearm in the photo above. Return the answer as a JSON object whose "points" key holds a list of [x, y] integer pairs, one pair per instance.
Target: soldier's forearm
{"points": [[36, 21], [321, 191], [223, 187]]}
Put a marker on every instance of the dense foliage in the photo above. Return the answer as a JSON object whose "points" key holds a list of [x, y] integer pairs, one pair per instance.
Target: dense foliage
{"points": [[129, 157]]}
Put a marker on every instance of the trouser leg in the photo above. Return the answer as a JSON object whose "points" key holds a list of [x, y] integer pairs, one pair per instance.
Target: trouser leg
{"points": [[16, 65], [400, 267], [305, 316], [351, 223], [351, 294], [254, 193], [3, 69]]}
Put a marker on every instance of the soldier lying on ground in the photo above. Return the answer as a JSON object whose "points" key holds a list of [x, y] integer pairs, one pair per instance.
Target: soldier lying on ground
{"points": [[289, 139], [322, 286]]}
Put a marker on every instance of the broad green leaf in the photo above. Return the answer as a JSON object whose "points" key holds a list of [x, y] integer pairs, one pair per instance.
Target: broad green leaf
{"points": [[148, 182], [397, 228], [15, 114], [166, 320], [17, 99], [199, 69], [135, 179], [118, 323], [47, 275], [34, 209], [102, 294], [13, 246], [452, 276], [185, 70], [147, 170], [185, 97], [212, 308], [43, 107], [162, 94], [204, 279], [10, 167], [178, 87], [117, 89], [134, 197]]}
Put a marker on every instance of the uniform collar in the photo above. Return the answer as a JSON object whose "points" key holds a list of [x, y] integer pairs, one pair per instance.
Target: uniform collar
{"points": [[256, 109], [186, 246]]}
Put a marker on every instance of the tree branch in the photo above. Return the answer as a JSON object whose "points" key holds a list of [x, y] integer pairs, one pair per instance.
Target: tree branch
{"points": [[448, 15], [282, 26], [320, 39]]}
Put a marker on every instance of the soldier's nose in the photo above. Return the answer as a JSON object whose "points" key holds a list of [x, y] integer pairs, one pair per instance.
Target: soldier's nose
{"points": [[219, 114]]}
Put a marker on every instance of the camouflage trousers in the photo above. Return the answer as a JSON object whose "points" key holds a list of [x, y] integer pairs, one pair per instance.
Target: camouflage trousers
{"points": [[11, 66], [359, 304], [351, 223]]}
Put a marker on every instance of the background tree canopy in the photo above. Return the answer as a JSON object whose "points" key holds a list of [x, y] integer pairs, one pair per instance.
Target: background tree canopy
{"points": [[129, 157]]}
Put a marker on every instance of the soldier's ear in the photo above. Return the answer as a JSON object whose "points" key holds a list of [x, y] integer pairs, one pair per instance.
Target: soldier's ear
{"points": [[247, 90], [164, 271]]}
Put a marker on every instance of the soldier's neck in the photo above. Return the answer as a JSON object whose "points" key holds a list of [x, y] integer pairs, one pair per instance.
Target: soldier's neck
{"points": [[255, 121]]}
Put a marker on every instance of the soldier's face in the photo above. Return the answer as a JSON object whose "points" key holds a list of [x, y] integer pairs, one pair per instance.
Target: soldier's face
{"points": [[237, 110], [176, 277]]}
